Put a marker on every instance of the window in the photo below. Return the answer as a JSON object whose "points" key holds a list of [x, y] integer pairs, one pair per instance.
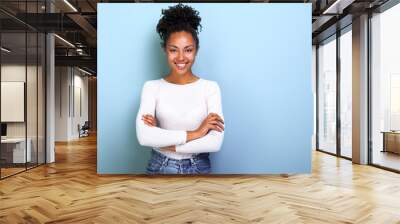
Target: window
{"points": [[346, 92], [385, 88], [327, 96]]}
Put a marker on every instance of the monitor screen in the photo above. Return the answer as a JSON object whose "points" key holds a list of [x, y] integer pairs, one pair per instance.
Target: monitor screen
{"points": [[3, 129]]}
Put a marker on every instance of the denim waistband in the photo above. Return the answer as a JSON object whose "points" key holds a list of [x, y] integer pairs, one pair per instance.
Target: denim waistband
{"points": [[192, 160]]}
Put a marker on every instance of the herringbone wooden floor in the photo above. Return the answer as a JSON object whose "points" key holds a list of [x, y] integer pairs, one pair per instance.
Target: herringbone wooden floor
{"points": [[70, 191]]}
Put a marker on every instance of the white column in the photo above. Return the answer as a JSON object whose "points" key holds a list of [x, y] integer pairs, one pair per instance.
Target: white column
{"points": [[360, 90], [50, 92], [50, 100]]}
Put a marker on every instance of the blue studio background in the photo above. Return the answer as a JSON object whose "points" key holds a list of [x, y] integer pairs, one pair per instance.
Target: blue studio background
{"points": [[260, 54]]}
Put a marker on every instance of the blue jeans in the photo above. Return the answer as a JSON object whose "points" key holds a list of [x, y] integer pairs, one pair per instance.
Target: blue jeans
{"points": [[160, 164]]}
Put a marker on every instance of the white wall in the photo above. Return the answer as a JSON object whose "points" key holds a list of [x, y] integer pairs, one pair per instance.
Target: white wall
{"points": [[71, 94], [314, 91], [80, 110], [62, 81], [15, 72]]}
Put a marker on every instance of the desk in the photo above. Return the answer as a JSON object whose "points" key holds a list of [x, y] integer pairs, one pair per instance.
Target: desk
{"points": [[17, 150], [391, 141]]}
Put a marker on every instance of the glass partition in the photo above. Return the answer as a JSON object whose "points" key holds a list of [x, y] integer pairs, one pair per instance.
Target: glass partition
{"points": [[346, 93], [385, 89], [22, 77], [327, 95], [14, 153]]}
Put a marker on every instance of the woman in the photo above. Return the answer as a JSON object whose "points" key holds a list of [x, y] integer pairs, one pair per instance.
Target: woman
{"points": [[180, 115]]}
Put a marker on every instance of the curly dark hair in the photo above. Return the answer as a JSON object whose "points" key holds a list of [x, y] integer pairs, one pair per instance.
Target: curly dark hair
{"points": [[179, 18]]}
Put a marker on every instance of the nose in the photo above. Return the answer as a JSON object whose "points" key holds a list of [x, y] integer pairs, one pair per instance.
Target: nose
{"points": [[180, 56]]}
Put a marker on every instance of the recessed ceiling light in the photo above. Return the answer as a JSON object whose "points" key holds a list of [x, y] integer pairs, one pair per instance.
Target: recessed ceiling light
{"points": [[70, 5], [84, 71], [64, 40], [5, 50], [337, 7]]}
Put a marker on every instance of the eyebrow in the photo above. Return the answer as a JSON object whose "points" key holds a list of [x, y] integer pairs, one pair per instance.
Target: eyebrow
{"points": [[183, 48]]}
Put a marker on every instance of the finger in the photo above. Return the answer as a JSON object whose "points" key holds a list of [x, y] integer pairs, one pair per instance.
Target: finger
{"points": [[147, 122], [219, 118], [149, 119], [153, 121], [215, 122], [148, 116], [144, 120], [220, 126], [216, 118], [215, 128]]}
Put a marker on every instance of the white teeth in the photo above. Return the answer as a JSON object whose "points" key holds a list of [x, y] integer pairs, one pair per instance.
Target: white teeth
{"points": [[180, 65]]}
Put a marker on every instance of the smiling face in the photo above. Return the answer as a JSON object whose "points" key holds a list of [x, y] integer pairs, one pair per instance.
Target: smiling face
{"points": [[181, 52]]}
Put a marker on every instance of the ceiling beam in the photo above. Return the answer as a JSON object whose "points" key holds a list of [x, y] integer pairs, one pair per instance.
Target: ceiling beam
{"points": [[337, 6], [84, 61], [84, 24]]}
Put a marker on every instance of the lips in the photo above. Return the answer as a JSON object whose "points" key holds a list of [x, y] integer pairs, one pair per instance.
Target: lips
{"points": [[180, 66]]}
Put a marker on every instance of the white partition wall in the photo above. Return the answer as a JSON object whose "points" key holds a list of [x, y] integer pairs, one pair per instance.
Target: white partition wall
{"points": [[71, 102], [12, 98]]}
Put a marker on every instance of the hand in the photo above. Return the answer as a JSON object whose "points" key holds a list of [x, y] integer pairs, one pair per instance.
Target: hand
{"points": [[168, 148], [149, 120], [212, 122]]}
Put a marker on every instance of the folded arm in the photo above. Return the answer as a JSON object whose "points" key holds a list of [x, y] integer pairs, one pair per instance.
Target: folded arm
{"points": [[209, 143], [212, 141], [152, 136], [207, 138]]}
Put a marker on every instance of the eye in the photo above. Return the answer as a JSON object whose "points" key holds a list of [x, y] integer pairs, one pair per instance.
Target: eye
{"points": [[172, 50], [189, 50]]}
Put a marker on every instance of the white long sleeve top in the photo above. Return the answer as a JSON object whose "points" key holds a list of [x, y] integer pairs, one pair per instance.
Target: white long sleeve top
{"points": [[179, 108]]}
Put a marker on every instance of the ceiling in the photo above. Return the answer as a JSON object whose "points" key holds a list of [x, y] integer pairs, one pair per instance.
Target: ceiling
{"points": [[76, 22]]}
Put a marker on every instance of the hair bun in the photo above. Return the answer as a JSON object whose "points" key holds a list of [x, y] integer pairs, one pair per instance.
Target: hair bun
{"points": [[178, 18], [180, 14]]}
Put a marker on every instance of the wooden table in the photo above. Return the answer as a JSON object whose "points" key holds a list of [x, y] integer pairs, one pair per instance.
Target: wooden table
{"points": [[391, 141], [13, 150]]}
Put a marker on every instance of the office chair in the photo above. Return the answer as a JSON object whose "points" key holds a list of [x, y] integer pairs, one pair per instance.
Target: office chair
{"points": [[84, 130]]}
